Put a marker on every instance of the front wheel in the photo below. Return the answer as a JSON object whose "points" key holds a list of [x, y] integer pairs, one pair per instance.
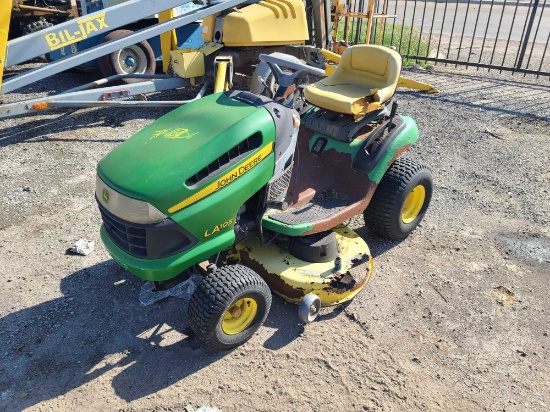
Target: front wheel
{"points": [[309, 308], [229, 305], [401, 199]]}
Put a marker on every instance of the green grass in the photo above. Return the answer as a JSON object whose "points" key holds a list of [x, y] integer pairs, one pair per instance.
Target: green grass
{"points": [[400, 41]]}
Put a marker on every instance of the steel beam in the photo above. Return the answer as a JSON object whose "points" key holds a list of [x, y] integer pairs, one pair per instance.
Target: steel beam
{"points": [[68, 62], [101, 22], [98, 95]]}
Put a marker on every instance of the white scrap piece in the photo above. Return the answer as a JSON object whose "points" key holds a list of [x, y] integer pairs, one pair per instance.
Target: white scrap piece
{"points": [[83, 247]]}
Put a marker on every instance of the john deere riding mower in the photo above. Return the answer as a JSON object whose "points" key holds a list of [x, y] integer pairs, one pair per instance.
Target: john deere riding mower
{"points": [[244, 182]]}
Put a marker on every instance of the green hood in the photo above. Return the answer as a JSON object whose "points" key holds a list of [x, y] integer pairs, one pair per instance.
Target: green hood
{"points": [[154, 164]]}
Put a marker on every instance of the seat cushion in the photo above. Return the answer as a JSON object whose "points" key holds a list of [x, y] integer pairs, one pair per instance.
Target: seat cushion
{"points": [[366, 77], [342, 98]]}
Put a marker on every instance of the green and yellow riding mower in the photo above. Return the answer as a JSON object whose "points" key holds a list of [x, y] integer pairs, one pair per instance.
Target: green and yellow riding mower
{"points": [[247, 183]]}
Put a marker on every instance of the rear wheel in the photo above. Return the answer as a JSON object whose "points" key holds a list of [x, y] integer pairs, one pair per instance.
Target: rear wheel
{"points": [[229, 305], [401, 199], [138, 58]]}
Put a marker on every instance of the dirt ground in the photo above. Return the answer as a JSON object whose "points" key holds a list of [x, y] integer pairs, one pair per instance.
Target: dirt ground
{"points": [[455, 318]]}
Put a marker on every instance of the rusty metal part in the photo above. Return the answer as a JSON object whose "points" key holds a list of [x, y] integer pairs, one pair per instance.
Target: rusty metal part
{"points": [[316, 174], [355, 278], [273, 280], [235, 311], [313, 175], [400, 151], [43, 10], [20, 9], [293, 278]]}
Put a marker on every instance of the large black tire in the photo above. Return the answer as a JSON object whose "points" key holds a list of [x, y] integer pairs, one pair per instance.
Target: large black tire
{"points": [[385, 213], [36, 25], [217, 295], [116, 62]]}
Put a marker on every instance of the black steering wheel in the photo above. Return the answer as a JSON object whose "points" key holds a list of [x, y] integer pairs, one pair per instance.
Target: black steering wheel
{"points": [[286, 81]]}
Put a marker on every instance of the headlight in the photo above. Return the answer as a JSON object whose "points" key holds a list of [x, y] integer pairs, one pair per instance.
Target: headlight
{"points": [[126, 208]]}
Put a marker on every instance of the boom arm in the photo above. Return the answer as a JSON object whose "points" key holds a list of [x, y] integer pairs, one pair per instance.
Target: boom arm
{"points": [[64, 34]]}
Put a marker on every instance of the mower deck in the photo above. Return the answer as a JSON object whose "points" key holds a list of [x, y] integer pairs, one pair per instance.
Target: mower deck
{"points": [[293, 278]]}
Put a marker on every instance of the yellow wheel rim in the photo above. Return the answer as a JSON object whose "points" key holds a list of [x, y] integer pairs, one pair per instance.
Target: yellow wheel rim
{"points": [[239, 316], [413, 204]]}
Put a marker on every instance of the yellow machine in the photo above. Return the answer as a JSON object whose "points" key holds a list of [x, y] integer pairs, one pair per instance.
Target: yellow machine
{"points": [[266, 23], [235, 38]]}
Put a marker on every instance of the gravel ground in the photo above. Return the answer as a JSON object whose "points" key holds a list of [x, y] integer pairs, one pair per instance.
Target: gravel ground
{"points": [[454, 318]]}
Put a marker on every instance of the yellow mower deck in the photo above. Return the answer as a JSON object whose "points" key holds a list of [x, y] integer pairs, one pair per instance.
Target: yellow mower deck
{"points": [[292, 278]]}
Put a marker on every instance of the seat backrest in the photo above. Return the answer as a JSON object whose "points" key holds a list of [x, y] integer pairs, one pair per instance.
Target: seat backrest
{"points": [[378, 66]]}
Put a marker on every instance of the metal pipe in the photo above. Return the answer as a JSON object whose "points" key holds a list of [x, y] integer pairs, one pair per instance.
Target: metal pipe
{"points": [[510, 33], [114, 103], [482, 65], [403, 27], [99, 94], [527, 34], [394, 24], [463, 28], [523, 31], [221, 72], [5, 17], [129, 103], [431, 30], [544, 53], [43, 10], [485, 34], [536, 34], [109, 79], [498, 33], [334, 57], [441, 32], [422, 29], [473, 35], [370, 13], [452, 30], [32, 45], [412, 29]]}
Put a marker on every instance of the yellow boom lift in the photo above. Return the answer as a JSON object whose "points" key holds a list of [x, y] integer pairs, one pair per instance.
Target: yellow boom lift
{"points": [[235, 34]]}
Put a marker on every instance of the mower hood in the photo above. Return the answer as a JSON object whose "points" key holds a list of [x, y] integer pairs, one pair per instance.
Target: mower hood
{"points": [[155, 164]]}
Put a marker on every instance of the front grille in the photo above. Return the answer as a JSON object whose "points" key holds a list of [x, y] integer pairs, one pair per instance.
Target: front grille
{"points": [[278, 187], [150, 241]]}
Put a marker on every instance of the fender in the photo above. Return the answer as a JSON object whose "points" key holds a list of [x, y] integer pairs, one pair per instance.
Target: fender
{"points": [[367, 159]]}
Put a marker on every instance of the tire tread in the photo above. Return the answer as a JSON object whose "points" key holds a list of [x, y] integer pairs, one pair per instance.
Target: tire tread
{"points": [[216, 292], [385, 205]]}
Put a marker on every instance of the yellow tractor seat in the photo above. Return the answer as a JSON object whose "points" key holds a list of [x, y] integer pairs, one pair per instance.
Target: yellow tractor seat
{"points": [[366, 77]]}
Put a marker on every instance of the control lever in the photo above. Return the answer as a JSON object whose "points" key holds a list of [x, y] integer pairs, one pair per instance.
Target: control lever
{"points": [[392, 115]]}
